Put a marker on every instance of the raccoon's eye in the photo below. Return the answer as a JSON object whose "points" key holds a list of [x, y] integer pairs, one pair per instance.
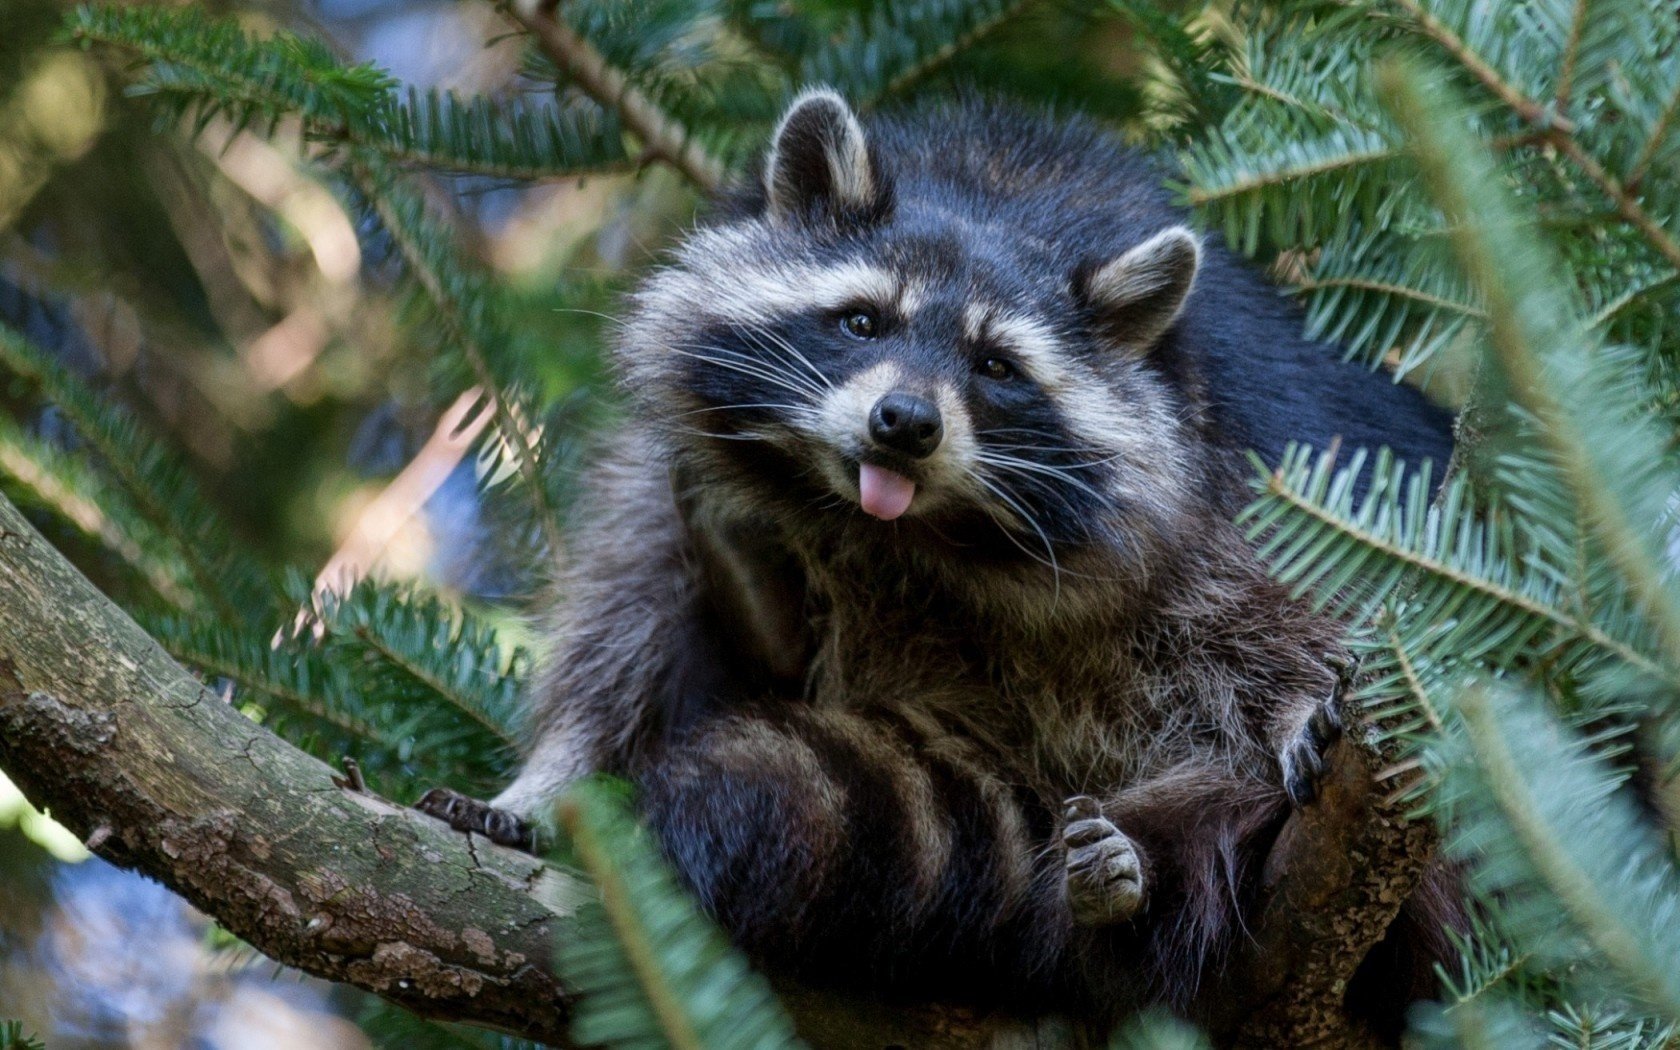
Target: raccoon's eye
{"points": [[860, 324], [997, 368]]}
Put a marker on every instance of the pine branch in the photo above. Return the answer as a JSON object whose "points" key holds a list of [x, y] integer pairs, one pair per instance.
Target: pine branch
{"points": [[1553, 127], [1532, 112], [1377, 293], [198, 67], [1609, 454], [1571, 52], [1298, 188], [1442, 559], [1486, 963], [899, 43], [461, 304], [661, 134], [159, 485], [1561, 828], [447, 651], [79, 495], [295, 683], [1654, 140], [648, 971]]}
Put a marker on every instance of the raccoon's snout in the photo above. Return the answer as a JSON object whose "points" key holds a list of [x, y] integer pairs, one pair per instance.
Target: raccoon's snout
{"points": [[906, 424]]}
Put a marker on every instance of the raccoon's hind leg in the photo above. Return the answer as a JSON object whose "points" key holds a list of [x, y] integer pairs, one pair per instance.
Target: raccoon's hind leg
{"points": [[1199, 832], [1105, 870]]}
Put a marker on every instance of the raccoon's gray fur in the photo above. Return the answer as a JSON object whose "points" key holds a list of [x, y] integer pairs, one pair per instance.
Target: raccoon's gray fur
{"points": [[909, 597]]}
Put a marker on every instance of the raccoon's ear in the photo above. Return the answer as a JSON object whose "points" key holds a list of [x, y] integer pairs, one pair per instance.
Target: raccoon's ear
{"points": [[819, 160], [1138, 295]]}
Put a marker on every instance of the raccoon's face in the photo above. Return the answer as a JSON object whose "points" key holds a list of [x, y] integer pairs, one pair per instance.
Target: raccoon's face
{"points": [[852, 345]]}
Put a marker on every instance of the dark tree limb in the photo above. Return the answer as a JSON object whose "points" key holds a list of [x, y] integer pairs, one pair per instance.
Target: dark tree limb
{"points": [[157, 773]]}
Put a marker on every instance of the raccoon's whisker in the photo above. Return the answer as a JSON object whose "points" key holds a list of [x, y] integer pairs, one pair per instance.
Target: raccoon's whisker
{"points": [[1082, 464], [1031, 432], [1021, 466], [1084, 524], [779, 367], [1001, 491], [593, 313], [782, 342], [728, 408], [1056, 494], [781, 359], [748, 367], [739, 436]]}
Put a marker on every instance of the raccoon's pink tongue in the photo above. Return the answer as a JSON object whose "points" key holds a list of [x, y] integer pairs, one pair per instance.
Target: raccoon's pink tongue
{"points": [[886, 494]]}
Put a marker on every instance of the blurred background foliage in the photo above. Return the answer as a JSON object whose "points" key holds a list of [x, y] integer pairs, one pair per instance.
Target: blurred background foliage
{"points": [[302, 316]]}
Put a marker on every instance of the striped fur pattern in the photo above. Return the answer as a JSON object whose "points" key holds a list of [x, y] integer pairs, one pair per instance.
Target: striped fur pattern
{"points": [[1024, 741]]}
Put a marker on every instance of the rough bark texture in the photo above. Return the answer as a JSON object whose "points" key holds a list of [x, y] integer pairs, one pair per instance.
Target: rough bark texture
{"points": [[127, 749], [1333, 884], [131, 752]]}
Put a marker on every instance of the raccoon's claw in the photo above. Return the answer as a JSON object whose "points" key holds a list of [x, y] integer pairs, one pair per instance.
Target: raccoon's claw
{"points": [[1303, 758], [1104, 872], [471, 815]]}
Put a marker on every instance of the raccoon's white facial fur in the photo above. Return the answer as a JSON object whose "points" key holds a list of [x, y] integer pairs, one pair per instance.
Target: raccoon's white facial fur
{"points": [[842, 423], [842, 336]]}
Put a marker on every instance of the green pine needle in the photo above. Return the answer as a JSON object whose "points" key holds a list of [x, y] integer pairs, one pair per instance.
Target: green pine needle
{"points": [[1573, 866], [650, 970]]}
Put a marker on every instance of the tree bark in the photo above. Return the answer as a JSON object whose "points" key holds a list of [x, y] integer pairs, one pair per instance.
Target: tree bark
{"points": [[1332, 886], [158, 773], [133, 753]]}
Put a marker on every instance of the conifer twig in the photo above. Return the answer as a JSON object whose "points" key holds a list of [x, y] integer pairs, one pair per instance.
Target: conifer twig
{"points": [[516, 430], [662, 134], [1557, 130], [931, 62], [377, 523]]}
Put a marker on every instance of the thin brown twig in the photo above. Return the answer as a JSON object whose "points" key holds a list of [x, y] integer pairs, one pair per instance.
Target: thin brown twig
{"points": [[1557, 129], [378, 522], [1571, 52], [662, 134]]}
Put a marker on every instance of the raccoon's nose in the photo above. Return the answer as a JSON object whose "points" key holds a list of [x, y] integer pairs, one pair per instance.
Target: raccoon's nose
{"points": [[906, 423]]}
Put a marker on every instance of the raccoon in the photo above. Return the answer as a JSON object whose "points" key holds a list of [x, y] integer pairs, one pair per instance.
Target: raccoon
{"points": [[909, 597]]}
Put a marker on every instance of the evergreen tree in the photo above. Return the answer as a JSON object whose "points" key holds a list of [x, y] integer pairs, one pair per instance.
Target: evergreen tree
{"points": [[1482, 196]]}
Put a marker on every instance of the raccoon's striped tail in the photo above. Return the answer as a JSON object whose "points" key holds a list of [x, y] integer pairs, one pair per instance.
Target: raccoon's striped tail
{"points": [[869, 848], [880, 851]]}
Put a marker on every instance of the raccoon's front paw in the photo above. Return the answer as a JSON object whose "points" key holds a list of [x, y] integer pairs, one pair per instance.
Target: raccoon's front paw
{"points": [[1305, 756], [1104, 871], [471, 815]]}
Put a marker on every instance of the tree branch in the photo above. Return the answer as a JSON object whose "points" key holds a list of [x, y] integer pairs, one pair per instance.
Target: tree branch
{"points": [[159, 774], [1331, 888], [100, 725], [662, 135]]}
